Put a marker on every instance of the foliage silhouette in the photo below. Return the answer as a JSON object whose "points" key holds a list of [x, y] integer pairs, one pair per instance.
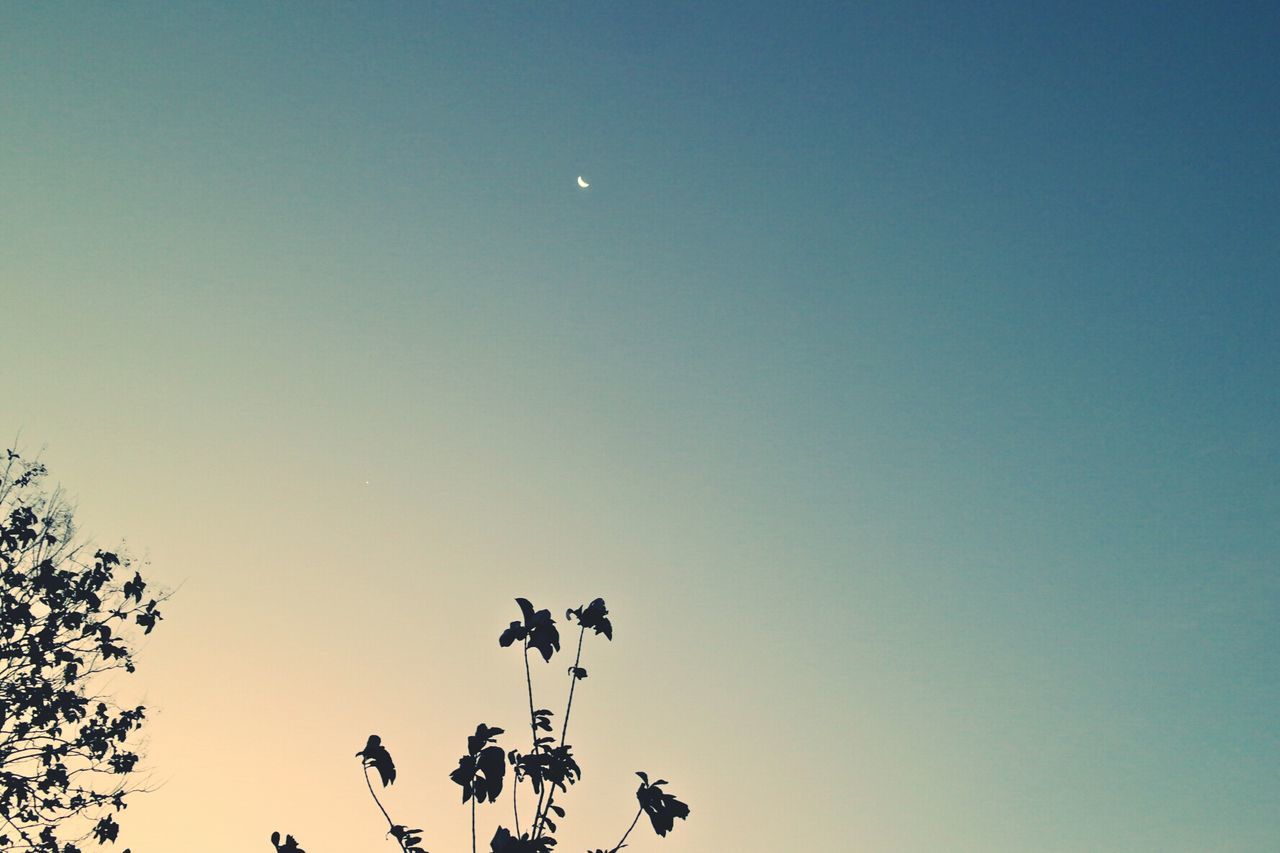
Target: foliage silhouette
{"points": [[538, 630], [481, 770], [286, 846], [375, 755], [548, 767], [66, 619], [661, 807]]}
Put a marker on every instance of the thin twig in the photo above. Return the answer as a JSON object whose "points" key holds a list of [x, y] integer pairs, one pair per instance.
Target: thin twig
{"points": [[390, 822], [573, 682], [618, 846], [528, 680], [533, 731], [391, 825], [539, 828], [515, 803]]}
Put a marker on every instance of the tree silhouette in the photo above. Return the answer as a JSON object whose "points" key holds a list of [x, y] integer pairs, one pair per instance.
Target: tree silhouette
{"points": [[66, 618], [548, 767]]}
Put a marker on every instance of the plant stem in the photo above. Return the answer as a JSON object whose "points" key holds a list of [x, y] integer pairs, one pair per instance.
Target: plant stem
{"points": [[473, 825], [515, 802], [618, 846], [573, 682], [391, 824], [528, 680], [533, 732], [564, 730], [539, 813], [542, 813]]}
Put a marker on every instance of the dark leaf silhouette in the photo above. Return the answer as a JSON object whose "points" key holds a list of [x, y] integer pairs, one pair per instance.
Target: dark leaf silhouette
{"points": [[504, 842], [560, 769], [67, 625], [148, 617], [542, 720], [410, 840], [594, 616], [538, 630], [515, 633], [289, 845], [106, 829], [661, 807], [375, 755], [134, 588], [549, 767], [480, 772], [484, 735]]}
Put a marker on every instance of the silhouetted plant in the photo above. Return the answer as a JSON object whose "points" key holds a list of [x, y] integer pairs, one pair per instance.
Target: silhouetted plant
{"points": [[375, 756], [66, 619], [548, 767], [661, 807], [286, 846], [480, 772]]}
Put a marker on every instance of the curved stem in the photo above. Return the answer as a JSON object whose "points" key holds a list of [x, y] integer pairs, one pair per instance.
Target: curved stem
{"points": [[473, 825], [391, 824], [618, 846], [378, 802], [515, 802]]}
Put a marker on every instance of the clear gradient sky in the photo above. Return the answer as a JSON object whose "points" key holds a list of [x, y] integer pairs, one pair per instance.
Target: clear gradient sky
{"points": [[906, 381]]}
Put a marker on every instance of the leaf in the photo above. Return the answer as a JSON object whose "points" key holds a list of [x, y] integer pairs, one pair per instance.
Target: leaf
{"points": [[289, 845], [375, 755], [661, 807], [538, 630], [484, 734], [409, 838], [134, 588], [106, 829], [526, 610], [481, 771], [464, 774], [492, 767], [594, 616], [559, 767], [515, 632], [504, 842]]}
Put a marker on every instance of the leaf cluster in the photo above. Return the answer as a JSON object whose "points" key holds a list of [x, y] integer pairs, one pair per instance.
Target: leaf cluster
{"points": [[481, 771], [548, 767], [537, 631], [66, 620], [661, 807]]}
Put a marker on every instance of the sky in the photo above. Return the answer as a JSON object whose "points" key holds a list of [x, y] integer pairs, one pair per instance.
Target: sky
{"points": [[905, 381]]}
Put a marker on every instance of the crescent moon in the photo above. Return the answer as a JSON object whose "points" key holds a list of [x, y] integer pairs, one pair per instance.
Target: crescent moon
{"points": [[582, 183]]}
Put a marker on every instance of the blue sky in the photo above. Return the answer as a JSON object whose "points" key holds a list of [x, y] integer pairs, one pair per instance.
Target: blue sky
{"points": [[906, 378]]}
